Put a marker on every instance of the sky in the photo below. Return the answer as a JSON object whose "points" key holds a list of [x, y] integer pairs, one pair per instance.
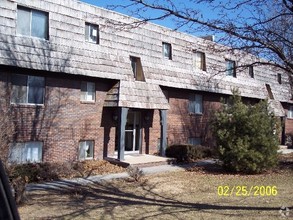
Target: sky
{"points": [[166, 22]]}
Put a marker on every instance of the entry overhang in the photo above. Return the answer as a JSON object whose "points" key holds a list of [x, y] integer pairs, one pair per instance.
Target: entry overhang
{"points": [[136, 94]]}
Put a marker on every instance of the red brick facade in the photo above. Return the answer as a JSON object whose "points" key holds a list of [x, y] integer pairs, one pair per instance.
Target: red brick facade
{"points": [[63, 120]]}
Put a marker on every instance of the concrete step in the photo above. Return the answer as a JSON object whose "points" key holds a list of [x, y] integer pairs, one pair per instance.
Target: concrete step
{"points": [[283, 147]]}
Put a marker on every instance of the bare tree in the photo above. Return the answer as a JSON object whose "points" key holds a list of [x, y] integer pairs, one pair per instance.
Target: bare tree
{"points": [[261, 27]]}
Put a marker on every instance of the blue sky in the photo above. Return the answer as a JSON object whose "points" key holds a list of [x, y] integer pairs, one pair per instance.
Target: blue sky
{"points": [[166, 22]]}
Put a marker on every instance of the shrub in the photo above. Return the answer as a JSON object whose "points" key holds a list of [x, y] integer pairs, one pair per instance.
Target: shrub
{"points": [[246, 136], [188, 153], [135, 173]]}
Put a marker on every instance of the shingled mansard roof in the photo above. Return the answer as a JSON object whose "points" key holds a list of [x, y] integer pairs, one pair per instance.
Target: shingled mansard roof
{"points": [[67, 51]]}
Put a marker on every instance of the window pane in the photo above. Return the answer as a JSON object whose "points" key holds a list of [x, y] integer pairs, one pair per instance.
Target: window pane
{"points": [[39, 24], [23, 21], [198, 104], [194, 141], [91, 91], [19, 88], [93, 33], [167, 50], [82, 149], [191, 105], [87, 34], [83, 91], [36, 89], [16, 153], [89, 149], [33, 151]]}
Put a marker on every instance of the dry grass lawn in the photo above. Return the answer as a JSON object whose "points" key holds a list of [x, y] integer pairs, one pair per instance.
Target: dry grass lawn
{"points": [[174, 195]]}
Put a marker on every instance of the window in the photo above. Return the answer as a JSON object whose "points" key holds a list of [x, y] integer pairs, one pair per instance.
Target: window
{"points": [[279, 78], [88, 92], [167, 51], [195, 104], [32, 23], [230, 68], [199, 61], [92, 33], [27, 89], [251, 71], [269, 90], [137, 68], [26, 152], [86, 150], [194, 141], [290, 112]]}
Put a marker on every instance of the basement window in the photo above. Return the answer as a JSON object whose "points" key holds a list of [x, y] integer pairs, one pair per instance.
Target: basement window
{"points": [[28, 152], [27, 89], [92, 33], [194, 141], [32, 22], [86, 150], [167, 51]]}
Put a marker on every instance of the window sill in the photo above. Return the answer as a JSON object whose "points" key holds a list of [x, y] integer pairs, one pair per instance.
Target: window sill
{"points": [[195, 114], [29, 105], [88, 102], [32, 37]]}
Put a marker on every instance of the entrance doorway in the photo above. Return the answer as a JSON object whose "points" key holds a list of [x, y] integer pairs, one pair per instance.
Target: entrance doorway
{"points": [[133, 132]]}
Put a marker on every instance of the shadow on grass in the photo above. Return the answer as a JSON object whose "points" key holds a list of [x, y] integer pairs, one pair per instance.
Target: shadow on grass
{"points": [[104, 197]]}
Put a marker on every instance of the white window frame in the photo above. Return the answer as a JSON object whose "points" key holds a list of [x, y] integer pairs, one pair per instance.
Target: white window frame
{"points": [[27, 152], [86, 150], [167, 50], [290, 112], [87, 95], [16, 88], [92, 31], [199, 60], [195, 105], [31, 21], [194, 141]]}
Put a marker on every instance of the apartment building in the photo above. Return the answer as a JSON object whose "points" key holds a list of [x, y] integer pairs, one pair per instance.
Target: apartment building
{"points": [[82, 82]]}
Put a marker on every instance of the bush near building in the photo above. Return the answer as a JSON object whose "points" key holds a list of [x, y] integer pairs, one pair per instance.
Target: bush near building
{"points": [[246, 135]]}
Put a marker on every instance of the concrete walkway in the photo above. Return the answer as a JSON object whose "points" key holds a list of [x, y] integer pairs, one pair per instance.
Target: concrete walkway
{"points": [[67, 183]]}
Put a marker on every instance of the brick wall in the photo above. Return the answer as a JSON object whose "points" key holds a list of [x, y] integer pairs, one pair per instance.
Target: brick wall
{"points": [[182, 124], [64, 120]]}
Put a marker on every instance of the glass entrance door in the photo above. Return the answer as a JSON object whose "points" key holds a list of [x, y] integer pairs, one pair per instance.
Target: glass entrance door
{"points": [[132, 131]]}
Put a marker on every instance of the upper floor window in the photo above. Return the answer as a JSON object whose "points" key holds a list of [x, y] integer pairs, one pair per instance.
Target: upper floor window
{"points": [[86, 150], [26, 152], [279, 78], [167, 51], [251, 71], [88, 91], [27, 89], [32, 22], [231, 68], [195, 104], [92, 33], [199, 61], [137, 68], [290, 112]]}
